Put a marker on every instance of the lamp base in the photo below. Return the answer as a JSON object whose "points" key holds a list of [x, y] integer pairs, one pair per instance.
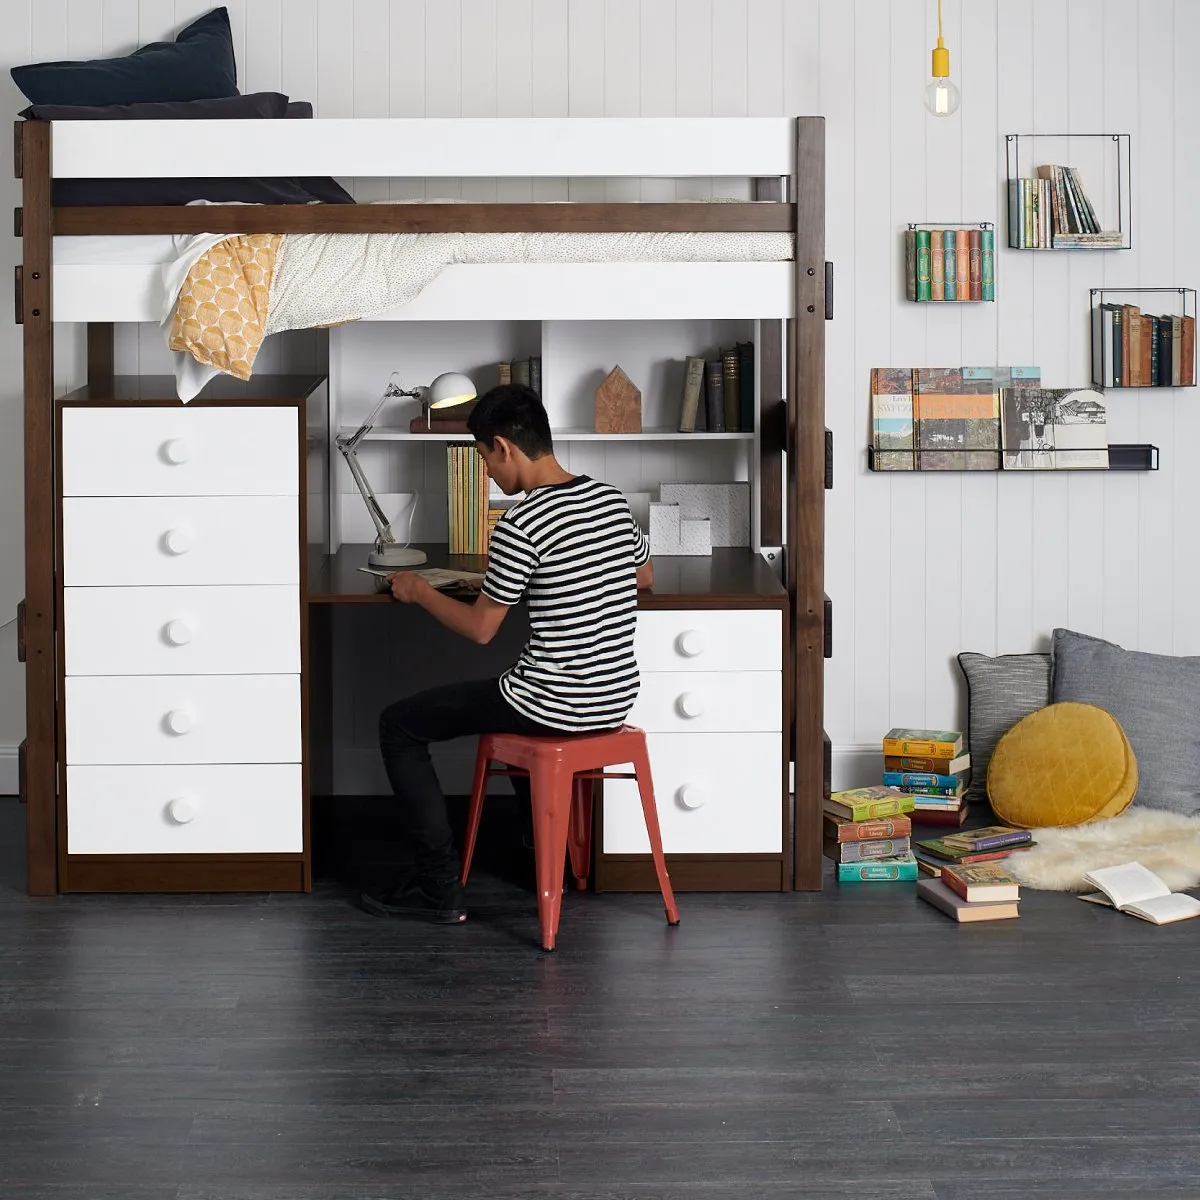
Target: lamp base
{"points": [[396, 556]]}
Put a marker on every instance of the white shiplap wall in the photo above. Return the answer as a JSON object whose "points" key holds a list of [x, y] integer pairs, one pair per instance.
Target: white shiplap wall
{"points": [[918, 566]]}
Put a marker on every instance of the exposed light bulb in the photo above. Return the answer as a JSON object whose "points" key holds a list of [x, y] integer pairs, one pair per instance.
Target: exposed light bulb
{"points": [[941, 97]]}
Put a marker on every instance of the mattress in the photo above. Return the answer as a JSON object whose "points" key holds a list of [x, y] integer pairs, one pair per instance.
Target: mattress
{"points": [[121, 249]]}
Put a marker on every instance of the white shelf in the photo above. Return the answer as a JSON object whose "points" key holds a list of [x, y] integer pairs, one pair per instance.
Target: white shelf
{"points": [[383, 434]]}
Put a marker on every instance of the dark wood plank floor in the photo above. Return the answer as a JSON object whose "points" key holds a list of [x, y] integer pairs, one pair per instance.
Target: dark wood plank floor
{"points": [[849, 1044]]}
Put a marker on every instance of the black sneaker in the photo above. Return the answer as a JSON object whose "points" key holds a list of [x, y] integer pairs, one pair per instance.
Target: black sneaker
{"points": [[443, 903]]}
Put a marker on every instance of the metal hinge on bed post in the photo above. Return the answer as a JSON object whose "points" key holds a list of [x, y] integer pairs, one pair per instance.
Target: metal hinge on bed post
{"points": [[18, 296], [18, 166]]}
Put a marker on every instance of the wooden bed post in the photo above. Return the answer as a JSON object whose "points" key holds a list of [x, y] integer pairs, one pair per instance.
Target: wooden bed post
{"points": [[41, 768], [806, 498]]}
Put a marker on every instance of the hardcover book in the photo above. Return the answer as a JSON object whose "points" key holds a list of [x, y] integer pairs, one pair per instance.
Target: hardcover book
{"points": [[849, 852], [693, 388], [957, 419], [988, 882], [868, 803], [942, 743], [840, 829], [935, 892], [926, 763], [942, 816], [1054, 428], [992, 837], [892, 418], [887, 870], [943, 848], [920, 781]]}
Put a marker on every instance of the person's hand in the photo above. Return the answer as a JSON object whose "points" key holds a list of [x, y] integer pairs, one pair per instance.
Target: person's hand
{"points": [[406, 586]]}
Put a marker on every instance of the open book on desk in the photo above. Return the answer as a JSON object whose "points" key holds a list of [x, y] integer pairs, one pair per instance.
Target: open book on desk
{"points": [[1133, 889], [442, 578]]}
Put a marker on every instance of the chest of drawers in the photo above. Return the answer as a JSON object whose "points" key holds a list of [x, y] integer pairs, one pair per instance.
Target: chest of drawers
{"points": [[181, 643], [712, 703]]}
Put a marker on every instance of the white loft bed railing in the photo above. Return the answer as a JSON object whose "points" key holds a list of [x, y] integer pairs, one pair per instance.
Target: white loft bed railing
{"points": [[390, 147], [751, 147]]}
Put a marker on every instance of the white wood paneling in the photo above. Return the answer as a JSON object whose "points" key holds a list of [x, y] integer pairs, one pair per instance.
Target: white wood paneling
{"points": [[917, 567]]}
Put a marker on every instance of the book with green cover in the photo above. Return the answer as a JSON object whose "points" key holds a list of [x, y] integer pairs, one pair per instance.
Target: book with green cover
{"points": [[886, 870], [892, 418], [864, 804]]}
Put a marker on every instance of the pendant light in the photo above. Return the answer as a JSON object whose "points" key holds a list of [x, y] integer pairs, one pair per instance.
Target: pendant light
{"points": [[941, 96]]}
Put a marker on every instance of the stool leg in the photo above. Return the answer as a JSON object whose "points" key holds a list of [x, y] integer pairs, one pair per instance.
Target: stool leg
{"points": [[550, 794], [579, 834], [645, 781], [475, 811]]}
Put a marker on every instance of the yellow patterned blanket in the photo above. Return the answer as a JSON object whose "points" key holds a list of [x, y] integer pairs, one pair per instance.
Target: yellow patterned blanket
{"points": [[221, 314]]}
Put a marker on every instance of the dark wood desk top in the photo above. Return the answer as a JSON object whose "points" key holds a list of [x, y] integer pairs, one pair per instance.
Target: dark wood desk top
{"points": [[731, 578], [140, 389]]}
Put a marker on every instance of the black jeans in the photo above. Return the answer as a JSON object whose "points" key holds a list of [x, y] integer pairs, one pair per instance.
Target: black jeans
{"points": [[406, 730]]}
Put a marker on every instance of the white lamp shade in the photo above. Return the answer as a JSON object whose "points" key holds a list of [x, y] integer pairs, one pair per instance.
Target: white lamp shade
{"points": [[450, 389]]}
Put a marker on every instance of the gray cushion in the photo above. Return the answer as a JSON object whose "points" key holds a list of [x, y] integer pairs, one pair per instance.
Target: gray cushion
{"points": [[1156, 700], [1000, 691]]}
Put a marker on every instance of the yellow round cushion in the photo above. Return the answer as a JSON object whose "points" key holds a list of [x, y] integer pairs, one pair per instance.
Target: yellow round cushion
{"points": [[1065, 764]]}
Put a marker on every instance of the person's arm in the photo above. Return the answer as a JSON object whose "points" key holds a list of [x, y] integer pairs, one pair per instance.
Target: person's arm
{"points": [[641, 556], [645, 576], [477, 621]]}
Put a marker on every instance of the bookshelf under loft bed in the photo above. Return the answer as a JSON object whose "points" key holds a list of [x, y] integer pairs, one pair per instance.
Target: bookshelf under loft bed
{"points": [[157, 534]]}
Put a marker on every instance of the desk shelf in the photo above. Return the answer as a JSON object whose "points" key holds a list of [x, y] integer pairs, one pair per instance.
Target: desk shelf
{"points": [[379, 434]]}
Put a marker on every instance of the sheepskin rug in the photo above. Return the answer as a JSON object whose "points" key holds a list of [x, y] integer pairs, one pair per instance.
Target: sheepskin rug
{"points": [[1163, 842]]}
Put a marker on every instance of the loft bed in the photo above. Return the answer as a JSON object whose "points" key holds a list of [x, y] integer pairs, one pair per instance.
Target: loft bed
{"points": [[789, 298]]}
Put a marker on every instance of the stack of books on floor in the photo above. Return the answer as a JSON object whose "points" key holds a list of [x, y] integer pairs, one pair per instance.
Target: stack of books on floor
{"points": [[867, 834], [1054, 212], [974, 892], [989, 844], [929, 765]]}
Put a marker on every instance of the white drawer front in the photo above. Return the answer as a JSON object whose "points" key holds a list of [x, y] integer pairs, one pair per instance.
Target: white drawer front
{"points": [[716, 794], [109, 542], [704, 702], [182, 630], [180, 451], [720, 640], [185, 810], [183, 719]]}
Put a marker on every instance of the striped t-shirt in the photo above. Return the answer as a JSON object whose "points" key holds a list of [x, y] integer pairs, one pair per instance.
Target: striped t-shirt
{"points": [[572, 549]]}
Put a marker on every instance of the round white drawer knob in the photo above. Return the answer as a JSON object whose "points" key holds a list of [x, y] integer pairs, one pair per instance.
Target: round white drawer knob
{"points": [[691, 704], [179, 721], [175, 451], [181, 811], [178, 633], [691, 795], [177, 541], [692, 642]]}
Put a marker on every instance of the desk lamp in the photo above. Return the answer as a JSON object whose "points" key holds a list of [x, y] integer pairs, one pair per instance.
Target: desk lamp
{"points": [[445, 391]]}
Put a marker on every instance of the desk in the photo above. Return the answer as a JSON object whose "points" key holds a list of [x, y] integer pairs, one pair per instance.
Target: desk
{"points": [[712, 629]]}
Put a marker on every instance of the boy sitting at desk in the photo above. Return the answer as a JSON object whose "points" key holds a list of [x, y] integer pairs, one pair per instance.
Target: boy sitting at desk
{"points": [[572, 547]]}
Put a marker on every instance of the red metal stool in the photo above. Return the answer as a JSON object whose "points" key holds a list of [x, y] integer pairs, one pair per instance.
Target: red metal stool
{"points": [[561, 771]]}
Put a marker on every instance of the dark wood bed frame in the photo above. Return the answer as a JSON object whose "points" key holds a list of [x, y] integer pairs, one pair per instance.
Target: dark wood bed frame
{"points": [[793, 426]]}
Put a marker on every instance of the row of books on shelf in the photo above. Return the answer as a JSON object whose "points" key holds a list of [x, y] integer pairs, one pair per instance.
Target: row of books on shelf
{"points": [[1053, 211], [527, 371], [719, 392], [983, 419], [1131, 348], [950, 264], [472, 511]]}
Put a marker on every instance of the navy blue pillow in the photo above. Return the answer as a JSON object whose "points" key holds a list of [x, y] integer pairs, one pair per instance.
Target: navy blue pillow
{"points": [[197, 65], [256, 106]]}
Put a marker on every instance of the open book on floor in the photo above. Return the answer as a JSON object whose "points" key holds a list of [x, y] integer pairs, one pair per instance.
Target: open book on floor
{"points": [[1133, 889]]}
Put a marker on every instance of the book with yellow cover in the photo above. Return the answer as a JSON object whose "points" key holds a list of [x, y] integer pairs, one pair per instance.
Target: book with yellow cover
{"points": [[867, 803], [933, 743]]}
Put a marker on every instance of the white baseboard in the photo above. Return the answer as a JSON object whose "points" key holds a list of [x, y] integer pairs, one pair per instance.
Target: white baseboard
{"points": [[856, 765], [8, 770]]}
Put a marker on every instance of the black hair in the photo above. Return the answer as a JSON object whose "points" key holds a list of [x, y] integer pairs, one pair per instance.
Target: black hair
{"points": [[515, 412]]}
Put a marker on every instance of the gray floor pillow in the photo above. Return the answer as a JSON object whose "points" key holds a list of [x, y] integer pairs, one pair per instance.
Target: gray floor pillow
{"points": [[1000, 691], [1156, 699]]}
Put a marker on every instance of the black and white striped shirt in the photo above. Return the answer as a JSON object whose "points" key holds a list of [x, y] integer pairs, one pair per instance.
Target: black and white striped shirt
{"points": [[573, 549]]}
